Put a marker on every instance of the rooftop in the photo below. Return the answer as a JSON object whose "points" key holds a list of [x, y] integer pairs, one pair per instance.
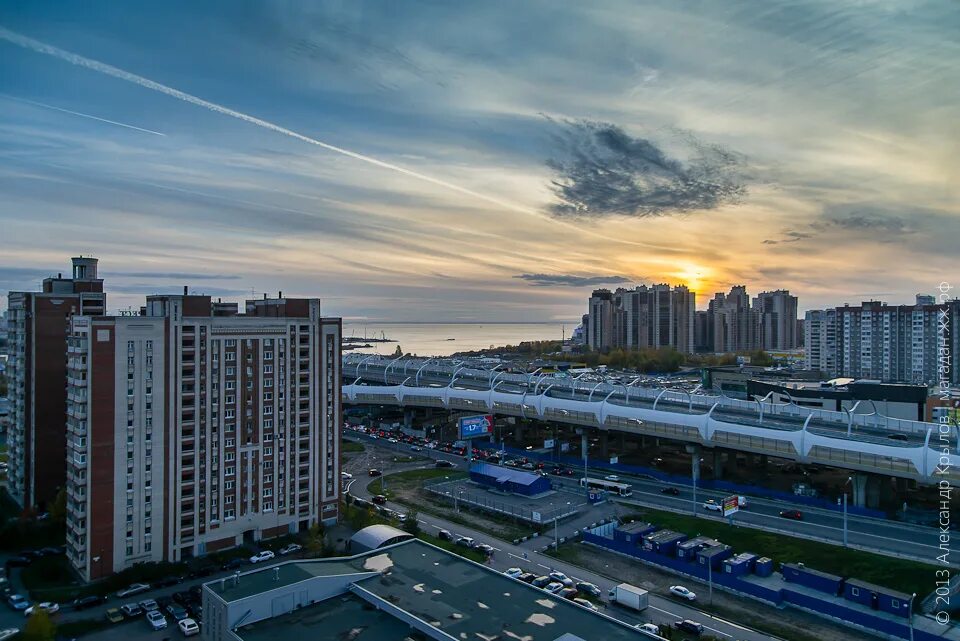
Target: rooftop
{"points": [[254, 582]]}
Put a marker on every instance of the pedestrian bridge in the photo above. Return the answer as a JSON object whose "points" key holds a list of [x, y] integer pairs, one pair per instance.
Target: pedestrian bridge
{"points": [[860, 441]]}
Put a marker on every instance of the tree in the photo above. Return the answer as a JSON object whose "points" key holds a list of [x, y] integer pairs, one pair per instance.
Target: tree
{"points": [[316, 542], [58, 509], [39, 627], [412, 524]]}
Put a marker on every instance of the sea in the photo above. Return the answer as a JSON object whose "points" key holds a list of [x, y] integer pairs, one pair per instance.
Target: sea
{"points": [[444, 339]]}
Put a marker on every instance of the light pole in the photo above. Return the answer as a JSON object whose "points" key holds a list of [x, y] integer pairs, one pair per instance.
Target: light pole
{"points": [[694, 473], [911, 614], [849, 480]]}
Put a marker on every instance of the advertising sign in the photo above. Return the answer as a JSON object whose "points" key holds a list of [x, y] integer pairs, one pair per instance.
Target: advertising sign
{"points": [[731, 505], [548, 443], [537, 517], [474, 426], [564, 447]]}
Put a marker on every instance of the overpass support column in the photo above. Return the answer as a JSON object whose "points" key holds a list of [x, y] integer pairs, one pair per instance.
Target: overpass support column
{"points": [[718, 464], [621, 443], [408, 415], [860, 489], [604, 444], [518, 433]]}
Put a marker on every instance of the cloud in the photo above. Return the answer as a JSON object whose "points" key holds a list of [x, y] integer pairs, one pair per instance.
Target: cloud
{"points": [[173, 275], [607, 172], [860, 220], [570, 280]]}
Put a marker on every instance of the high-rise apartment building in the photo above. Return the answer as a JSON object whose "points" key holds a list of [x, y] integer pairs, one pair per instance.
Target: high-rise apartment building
{"points": [[194, 428], [734, 324], [643, 317], [37, 342], [889, 343], [776, 317]]}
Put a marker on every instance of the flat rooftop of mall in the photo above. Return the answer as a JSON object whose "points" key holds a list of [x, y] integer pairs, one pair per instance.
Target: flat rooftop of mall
{"points": [[410, 590]]}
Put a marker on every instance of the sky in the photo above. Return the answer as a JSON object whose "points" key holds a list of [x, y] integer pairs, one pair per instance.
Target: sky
{"points": [[487, 161]]}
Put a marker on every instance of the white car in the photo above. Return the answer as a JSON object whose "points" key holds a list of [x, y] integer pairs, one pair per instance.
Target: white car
{"points": [[188, 627], [149, 605], [553, 587], [266, 555], [612, 477], [513, 572], [649, 627], [586, 604], [416, 448], [136, 588], [346, 475], [290, 549], [561, 578], [713, 505], [47, 606], [156, 620], [682, 592]]}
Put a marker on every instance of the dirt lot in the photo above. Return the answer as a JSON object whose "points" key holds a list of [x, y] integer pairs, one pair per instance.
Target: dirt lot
{"points": [[786, 623]]}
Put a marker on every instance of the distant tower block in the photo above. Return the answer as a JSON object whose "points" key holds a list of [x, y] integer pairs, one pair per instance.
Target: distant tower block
{"points": [[84, 268]]}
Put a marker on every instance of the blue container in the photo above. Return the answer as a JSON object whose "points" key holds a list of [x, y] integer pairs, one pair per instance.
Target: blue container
{"points": [[763, 567], [687, 550], [663, 542], [632, 533], [813, 579], [877, 597], [740, 565], [714, 555]]}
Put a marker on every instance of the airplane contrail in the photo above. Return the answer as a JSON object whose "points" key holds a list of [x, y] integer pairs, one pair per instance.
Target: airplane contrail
{"points": [[101, 67], [81, 114]]}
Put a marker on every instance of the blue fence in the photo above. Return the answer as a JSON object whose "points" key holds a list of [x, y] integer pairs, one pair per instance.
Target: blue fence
{"points": [[707, 484]]}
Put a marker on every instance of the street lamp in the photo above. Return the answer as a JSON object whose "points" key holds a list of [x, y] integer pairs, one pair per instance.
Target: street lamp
{"points": [[911, 614], [849, 480]]}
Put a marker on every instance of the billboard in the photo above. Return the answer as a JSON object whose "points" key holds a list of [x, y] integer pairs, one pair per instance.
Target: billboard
{"points": [[731, 505], [474, 426]]}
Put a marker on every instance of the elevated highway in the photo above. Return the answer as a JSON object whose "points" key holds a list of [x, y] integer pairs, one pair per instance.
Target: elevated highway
{"points": [[859, 442]]}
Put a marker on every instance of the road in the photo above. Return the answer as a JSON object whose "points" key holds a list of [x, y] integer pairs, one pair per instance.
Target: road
{"points": [[662, 611], [883, 536]]}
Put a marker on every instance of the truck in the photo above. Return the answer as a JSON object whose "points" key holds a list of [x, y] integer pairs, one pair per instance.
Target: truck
{"points": [[629, 596]]}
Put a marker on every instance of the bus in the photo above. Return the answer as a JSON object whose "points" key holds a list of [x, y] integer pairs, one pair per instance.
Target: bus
{"points": [[621, 489]]}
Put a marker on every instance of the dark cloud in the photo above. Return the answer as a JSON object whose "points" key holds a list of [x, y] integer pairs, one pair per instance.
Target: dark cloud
{"points": [[860, 221], [606, 172], [570, 280], [867, 221], [173, 275]]}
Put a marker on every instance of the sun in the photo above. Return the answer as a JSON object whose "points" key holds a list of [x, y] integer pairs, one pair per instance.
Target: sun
{"points": [[695, 277]]}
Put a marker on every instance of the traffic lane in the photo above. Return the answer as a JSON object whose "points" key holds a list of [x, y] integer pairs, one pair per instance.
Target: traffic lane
{"points": [[662, 611]]}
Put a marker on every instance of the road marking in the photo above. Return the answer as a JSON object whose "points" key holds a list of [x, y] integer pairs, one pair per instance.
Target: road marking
{"points": [[520, 558]]}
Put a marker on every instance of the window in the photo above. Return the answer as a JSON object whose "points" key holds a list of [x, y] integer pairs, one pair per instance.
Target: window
{"points": [[855, 591], [230, 471], [228, 485], [268, 369], [231, 371]]}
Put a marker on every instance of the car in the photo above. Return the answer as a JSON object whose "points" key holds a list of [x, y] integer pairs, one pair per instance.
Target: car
{"points": [[689, 626], [586, 604], [541, 581], [672, 491], [7, 633], [130, 590], [266, 555], [149, 605], [897, 437], [713, 506], [528, 466], [18, 561], [796, 515], [379, 499], [373, 472], [52, 551], [682, 592], [649, 627], [486, 549], [392, 440], [569, 593], [588, 588], [346, 475], [18, 602], [416, 448], [114, 615], [87, 602], [33, 555], [561, 578], [131, 610], [167, 582], [188, 627], [513, 573], [553, 587], [290, 549], [444, 463], [178, 612], [445, 535], [156, 620], [612, 477], [466, 541], [233, 564], [47, 606]]}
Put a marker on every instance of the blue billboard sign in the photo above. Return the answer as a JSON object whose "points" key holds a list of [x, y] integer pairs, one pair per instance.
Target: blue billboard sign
{"points": [[474, 426]]}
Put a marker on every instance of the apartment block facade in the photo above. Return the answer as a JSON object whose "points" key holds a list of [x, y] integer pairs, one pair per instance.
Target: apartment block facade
{"points": [[194, 428], [37, 325], [644, 317]]}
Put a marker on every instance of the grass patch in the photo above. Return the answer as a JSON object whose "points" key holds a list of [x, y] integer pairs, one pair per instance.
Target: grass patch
{"points": [[411, 479], [351, 446], [467, 553], [899, 574]]}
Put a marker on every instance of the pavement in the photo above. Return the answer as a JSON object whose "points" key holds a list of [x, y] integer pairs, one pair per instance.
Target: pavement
{"points": [[662, 611]]}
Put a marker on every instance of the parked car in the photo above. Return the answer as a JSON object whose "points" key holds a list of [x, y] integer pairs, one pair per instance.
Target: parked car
{"points": [[586, 604], [689, 626], [486, 549], [445, 535], [188, 627], [649, 627], [682, 592], [466, 542], [796, 515], [290, 549], [379, 499], [233, 564], [87, 602], [131, 610], [136, 588], [18, 602], [553, 587], [114, 615], [47, 606], [149, 605], [178, 612], [52, 551], [541, 582], [444, 463], [513, 573], [527, 577], [156, 620], [588, 588], [672, 491], [167, 582], [712, 506], [266, 555], [373, 472], [569, 593], [561, 578]]}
